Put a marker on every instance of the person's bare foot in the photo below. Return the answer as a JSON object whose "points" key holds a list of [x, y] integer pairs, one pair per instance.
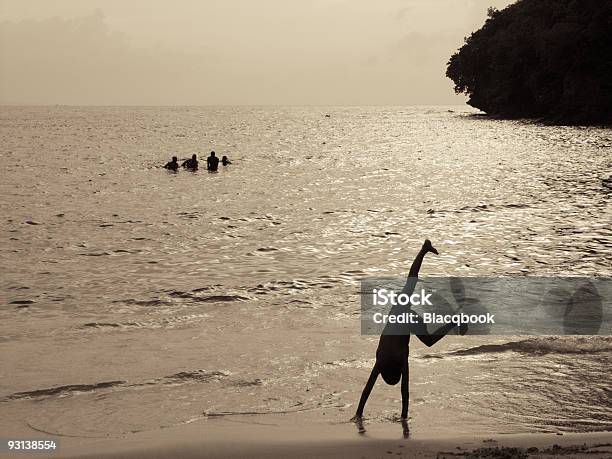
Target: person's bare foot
{"points": [[427, 247]]}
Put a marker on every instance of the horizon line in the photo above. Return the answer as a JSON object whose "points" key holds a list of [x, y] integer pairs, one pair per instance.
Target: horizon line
{"points": [[233, 105]]}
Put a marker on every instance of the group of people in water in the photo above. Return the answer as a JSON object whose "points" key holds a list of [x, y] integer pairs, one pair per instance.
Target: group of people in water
{"points": [[212, 163]]}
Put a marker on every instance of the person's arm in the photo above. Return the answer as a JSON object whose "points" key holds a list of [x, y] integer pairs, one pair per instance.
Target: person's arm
{"points": [[429, 339], [405, 395], [366, 391]]}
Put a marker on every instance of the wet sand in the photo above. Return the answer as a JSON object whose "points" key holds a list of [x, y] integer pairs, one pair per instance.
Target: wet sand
{"points": [[284, 436]]}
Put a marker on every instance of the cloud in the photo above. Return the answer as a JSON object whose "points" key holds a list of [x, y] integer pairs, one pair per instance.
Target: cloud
{"points": [[80, 61], [234, 52]]}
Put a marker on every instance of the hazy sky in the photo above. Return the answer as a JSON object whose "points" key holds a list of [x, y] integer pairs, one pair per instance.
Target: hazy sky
{"points": [[199, 52]]}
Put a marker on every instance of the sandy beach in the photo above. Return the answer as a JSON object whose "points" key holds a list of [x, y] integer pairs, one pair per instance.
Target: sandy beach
{"points": [[284, 436]]}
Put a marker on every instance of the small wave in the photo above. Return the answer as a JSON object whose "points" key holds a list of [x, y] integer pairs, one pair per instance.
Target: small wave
{"points": [[195, 375], [516, 206], [279, 285], [541, 346], [156, 302], [189, 215], [267, 249], [109, 325], [202, 289], [245, 383], [182, 377], [207, 299], [291, 287], [294, 409], [164, 322], [100, 325], [200, 376], [62, 390], [218, 298]]}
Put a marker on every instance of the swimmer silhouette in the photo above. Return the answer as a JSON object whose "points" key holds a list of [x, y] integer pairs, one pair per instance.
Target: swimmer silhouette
{"points": [[191, 163], [392, 353], [212, 162], [225, 161], [172, 165]]}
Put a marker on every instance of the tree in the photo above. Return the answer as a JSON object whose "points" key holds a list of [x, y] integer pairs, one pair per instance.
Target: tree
{"points": [[543, 59]]}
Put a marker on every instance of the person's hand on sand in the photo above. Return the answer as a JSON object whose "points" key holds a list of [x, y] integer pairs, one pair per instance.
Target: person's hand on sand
{"points": [[358, 420], [405, 427]]}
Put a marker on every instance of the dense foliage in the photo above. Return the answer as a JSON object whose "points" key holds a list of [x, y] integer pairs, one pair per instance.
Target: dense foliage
{"points": [[545, 59]]}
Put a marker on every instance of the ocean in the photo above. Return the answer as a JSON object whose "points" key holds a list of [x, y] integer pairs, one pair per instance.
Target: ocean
{"points": [[134, 298]]}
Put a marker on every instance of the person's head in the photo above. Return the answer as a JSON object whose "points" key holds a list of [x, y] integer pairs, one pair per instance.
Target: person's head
{"points": [[212, 153], [174, 159], [391, 374], [194, 157], [224, 158]]}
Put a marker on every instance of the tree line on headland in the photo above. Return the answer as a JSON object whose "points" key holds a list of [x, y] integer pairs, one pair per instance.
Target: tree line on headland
{"points": [[549, 60]]}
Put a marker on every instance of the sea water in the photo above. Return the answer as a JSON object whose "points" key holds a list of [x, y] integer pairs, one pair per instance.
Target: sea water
{"points": [[134, 298]]}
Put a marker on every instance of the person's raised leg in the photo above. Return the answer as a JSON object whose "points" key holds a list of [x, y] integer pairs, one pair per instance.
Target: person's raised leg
{"points": [[416, 266]]}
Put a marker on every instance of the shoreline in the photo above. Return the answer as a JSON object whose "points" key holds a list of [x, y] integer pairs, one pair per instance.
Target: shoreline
{"points": [[287, 435]]}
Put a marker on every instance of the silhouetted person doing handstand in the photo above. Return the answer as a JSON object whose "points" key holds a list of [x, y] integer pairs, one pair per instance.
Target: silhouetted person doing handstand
{"points": [[392, 353], [172, 165], [212, 162], [225, 161], [191, 163]]}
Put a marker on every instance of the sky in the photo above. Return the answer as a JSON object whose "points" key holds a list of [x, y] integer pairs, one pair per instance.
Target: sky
{"points": [[233, 52]]}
